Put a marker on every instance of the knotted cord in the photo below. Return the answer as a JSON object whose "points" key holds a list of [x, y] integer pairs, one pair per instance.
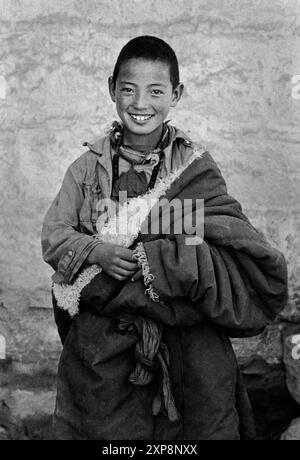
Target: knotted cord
{"points": [[152, 356]]}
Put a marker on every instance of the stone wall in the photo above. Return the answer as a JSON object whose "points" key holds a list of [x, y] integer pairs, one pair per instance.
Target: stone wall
{"points": [[238, 59]]}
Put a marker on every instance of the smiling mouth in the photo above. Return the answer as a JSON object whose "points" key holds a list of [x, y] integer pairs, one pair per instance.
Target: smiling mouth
{"points": [[140, 117]]}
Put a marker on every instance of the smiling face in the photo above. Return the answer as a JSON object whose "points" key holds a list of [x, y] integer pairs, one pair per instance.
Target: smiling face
{"points": [[143, 95]]}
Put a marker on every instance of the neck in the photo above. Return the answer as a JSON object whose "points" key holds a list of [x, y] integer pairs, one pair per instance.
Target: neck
{"points": [[140, 141]]}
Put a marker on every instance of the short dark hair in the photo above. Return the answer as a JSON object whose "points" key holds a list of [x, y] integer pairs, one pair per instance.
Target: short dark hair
{"points": [[151, 49]]}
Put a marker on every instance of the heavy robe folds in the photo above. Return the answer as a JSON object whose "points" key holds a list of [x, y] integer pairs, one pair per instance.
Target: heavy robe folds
{"points": [[232, 284]]}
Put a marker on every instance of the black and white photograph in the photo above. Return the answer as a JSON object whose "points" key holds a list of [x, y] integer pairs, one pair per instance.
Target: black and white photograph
{"points": [[150, 223]]}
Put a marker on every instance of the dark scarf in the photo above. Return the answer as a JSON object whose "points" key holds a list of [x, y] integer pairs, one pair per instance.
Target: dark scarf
{"points": [[135, 182]]}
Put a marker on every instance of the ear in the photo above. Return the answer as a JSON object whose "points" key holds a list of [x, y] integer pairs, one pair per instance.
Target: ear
{"points": [[177, 93], [112, 89]]}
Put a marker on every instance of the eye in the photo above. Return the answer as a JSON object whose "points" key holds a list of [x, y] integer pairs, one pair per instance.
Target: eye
{"points": [[157, 92], [126, 90]]}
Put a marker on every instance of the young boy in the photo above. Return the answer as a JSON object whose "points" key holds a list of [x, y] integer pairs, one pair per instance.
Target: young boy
{"points": [[155, 364]]}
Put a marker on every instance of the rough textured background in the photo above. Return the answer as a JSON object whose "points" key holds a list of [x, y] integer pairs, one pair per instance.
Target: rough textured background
{"points": [[237, 60]]}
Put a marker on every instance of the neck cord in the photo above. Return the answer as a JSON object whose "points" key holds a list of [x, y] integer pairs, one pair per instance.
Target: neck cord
{"points": [[116, 157]]}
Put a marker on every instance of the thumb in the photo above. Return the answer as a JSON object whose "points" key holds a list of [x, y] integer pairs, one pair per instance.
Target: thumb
{"points": [[138, 274]]}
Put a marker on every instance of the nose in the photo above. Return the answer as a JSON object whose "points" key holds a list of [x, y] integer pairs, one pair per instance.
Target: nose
{"points": [[140, 100]]}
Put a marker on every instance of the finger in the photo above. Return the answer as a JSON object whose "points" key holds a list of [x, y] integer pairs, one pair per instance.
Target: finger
{"points": [[121, 272], [138, 274], [125, 254], [129, 266], [119, 277]]}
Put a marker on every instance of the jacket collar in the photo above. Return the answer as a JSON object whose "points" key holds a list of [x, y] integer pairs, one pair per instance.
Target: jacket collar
{"points": [[102, 146]]}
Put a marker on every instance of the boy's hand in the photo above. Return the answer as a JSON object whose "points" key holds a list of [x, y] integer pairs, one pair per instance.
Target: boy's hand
{"points": [[115, 260], [138, 275]]}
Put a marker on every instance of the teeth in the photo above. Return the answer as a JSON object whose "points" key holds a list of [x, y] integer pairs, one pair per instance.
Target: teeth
{"points": [[141, 117]]}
